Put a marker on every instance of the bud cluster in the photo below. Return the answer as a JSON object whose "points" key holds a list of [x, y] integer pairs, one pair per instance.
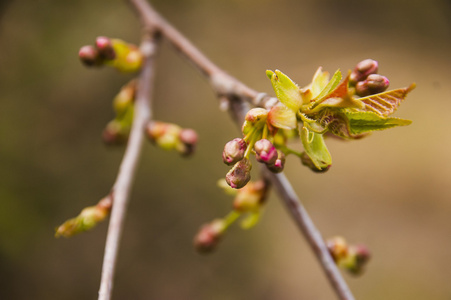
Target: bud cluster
{"points": [[365, 79], [117, 130], [259, 139], [170, 136], [87, 219], [248, 200], [114, 52], [352, 258]]}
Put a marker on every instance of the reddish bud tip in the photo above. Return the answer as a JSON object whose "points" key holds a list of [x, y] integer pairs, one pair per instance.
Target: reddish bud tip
{"points": [[362, 253], [265, 152], [373, 84], [234, 151], [362, 70], [114, 134], [209, 236], [188, 136], [279, 164], [105, 47], [89, 56]]}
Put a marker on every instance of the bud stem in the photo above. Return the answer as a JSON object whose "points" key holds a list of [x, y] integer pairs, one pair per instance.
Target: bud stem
{"points": [[231, 218]]}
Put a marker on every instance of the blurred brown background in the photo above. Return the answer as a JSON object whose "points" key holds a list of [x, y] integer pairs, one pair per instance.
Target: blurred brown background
{"points": [[390, 191]]}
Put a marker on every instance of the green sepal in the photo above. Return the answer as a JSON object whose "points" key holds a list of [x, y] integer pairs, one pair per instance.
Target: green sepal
{"points": [[362, 122], [316, 148], [331, 85], [286, 90]]}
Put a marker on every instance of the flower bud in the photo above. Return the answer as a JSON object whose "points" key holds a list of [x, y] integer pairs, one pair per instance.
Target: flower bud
{"points": [[373, 84], [307, 161], [156, 129], [265, 152], [105, 47], [89, 56], [362, 70], [188, 138], [256, 114], [362, 254], [240, 174], [234, 151], [209, 236], [279, 164], [114, 133], [338, 248], [125, 98], [87, 219]]}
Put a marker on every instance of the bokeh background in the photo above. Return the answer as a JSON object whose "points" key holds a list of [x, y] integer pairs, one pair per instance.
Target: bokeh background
{"points": [[390, 191]]}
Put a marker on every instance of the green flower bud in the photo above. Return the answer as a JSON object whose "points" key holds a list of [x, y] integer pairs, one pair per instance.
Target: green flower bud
{"points": [[89, 56], [279, 164], [209, 236], [362, 70], [240, 174], [125, 98], [87, 219], [373, 84], [338, 248], [155, 130], [234, 151], [256, 115], [307, 161]]}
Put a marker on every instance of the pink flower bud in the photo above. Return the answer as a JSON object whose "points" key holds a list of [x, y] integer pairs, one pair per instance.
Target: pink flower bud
{"points": [[240, 174], [188, 137], [234, 151], [279, 164], [265, 152], [209, 236], [362, 70], [373, 84], [89, 56]]}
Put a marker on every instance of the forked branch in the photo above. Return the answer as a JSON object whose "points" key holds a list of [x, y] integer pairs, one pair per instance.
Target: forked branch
{"points": [[236, 94]]}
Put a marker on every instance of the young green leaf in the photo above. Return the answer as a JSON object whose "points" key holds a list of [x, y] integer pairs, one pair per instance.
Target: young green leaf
{"points": [[362, 122]]}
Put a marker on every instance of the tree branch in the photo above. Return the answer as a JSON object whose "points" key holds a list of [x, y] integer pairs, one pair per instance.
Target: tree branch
{"points": [[236, 93], [125, 178]]}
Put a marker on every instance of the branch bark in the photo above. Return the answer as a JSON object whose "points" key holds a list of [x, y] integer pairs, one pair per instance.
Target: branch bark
{"points": [[125, 178], [237, 93]]}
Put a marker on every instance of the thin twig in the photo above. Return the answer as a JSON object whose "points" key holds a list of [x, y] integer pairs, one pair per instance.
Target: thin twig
{"points": [[125, 178], [313, 236], [236, 92]]}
